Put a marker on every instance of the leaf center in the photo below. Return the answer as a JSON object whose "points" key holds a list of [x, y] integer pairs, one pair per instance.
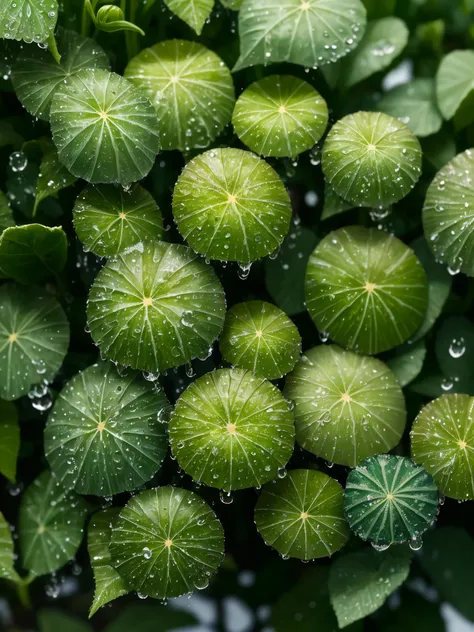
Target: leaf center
{"points": [[12, 337], [232, 429], [147, 301], [369, 287], [168, 543]]}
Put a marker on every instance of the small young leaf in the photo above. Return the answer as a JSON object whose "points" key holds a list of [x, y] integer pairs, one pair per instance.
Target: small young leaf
{"points": [[33, 252], [359, 583], [333, 203], [308, 33], [52, 178], [50, 620], [109, 585], [7, 570], [29, 20], [302, 515], [10, 443], [454, 346], [6, 217], [108, 220], [144, 617], [408, 362], [240, 426], [34, 338], [167, 542], [51, 525], [193, 12], [102, 137], [454, 81]]}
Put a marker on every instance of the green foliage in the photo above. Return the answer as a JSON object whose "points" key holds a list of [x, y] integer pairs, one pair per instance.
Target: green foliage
{"points": [[193, 12], [10, 445]]}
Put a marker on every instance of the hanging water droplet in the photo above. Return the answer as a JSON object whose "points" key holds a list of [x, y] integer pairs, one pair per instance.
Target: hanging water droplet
{"points": [[380, 547], [323, 336], [457, 347], [282, 472], [226, 498], [18, 161], [415, 543]]}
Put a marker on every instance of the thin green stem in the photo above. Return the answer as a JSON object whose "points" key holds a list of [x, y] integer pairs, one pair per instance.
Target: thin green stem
{"points": [[86, 21], [131, 38], [22, 590]]}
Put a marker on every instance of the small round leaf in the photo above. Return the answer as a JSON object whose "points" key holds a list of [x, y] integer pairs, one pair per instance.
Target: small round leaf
{"points": [[448, 214], [389, 500], [442, 440], [104, 128], [347, 406], [371, 159], [191, 89], [232, 430], [280, 116], [106, 433], [34, 338], [365, 289], [231, 205], [302, 515], [109, 220], [167, 542], [454, 81], [155, 306], [260, 337]]}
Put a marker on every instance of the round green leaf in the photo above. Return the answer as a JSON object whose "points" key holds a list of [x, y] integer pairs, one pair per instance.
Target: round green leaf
{"points": [[231, 205], [167, 542], [414, 104], [442, 440], [51, 525], [347, 406], [36, 75], [448, 214], [6, 217], [193, 12], [280, 116], [108, 219], [106, 433], [28, 20], [389, 500], [191, 89], [231, 430], [302, 515], [260, 337], [365, 289], [104, 128], [310, 33], [454, 81], [382, 42], [34, 338], [155, 306], [371, 159]]}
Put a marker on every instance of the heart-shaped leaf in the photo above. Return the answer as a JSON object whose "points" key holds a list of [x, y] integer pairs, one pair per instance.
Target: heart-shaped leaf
{"points": [[333, 203], [454, 81], [6, 217], [10, 443], [52, 178], [29, 20], [7, 569], [408, 362], [193, 12]]}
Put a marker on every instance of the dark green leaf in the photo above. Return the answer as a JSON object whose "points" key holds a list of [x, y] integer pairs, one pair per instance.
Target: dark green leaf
{"points": [[414, 614], [408, 362], [6, 217], [52, 178], [333, 203], [151, 618], [379, 8], [7, 570], [58, 621], [10, 440]]}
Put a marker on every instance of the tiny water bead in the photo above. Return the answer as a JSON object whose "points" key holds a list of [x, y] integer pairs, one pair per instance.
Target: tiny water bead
{"points": [[231, 205], [191, 88], [260, 337], [108, 219], [302, 515], [280, 116], [231, 429], [389, 500], [347, 406], [442, 440], [104, 435], [183, 534], [366, 289], [18, 161], [371, 159], [448, 214], [155, 306]]}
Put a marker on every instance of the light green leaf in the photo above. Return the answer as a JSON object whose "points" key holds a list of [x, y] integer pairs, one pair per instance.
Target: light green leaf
{"points": [[10, 440], [383, 41], [6, 217], [359, 583], [309, 33], [52, 178], [151, 617], [333, 203], [51, 525], [28, 20], [7, 570], [454, 81], [50, 620], [193, 12], [232, 4], [408, 362], [109, 585], [30, 253]]}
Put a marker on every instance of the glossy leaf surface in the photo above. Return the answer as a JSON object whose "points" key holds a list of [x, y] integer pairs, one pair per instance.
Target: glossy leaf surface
{"points": [[29, 20], [193, 12], [52, 178]]}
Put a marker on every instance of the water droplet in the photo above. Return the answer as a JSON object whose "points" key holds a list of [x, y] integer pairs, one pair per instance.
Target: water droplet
{"points": [[457, 347], [226, 498], [18, 161]]}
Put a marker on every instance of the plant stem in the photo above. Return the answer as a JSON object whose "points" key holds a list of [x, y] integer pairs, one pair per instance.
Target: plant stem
{"points": [[131, 38], [23, 592], [85, 23]]}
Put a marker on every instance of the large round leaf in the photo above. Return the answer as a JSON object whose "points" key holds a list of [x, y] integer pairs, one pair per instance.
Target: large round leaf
{"points": [[34, 338], [28, 20], [104, 128], [442, 440], [347, 406], [36, 75], [51, 525], [232, 430], [167, 542], [260, 337], [231, 205], [448, 214], [390, 499], [155, 306], [310, 33], [454, 81], [191, 89], [106, 433], [371, 159], [365, 289], [280, 116], [302, 515], [108, 219]]}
